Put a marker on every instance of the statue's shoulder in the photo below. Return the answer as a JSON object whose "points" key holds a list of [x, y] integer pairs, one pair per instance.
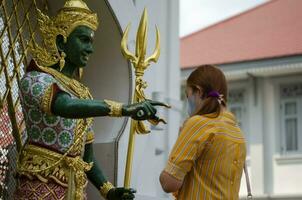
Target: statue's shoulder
{"points": [[38, 74], [34, 71], [35, 79]]}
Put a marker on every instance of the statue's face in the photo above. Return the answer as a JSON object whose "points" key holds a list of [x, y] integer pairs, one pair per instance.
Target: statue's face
{"points": [[79, 46]]}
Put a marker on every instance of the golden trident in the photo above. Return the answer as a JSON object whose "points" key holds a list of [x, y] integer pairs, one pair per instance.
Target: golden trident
{"points": [[140, 64]]}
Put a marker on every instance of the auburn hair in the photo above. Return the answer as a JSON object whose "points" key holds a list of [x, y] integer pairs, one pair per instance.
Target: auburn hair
{"points": [[209, 78]]}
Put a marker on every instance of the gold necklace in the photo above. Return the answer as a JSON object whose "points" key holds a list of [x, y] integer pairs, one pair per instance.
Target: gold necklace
{"points": [[72, 85]]}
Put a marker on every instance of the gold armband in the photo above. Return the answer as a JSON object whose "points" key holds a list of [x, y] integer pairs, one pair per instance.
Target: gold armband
{"points": [[105, 189], [115, 108], [89, 137]]}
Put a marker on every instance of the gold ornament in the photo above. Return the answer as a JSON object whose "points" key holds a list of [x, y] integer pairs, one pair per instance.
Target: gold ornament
{"points": [[80, 72], [115, 108], [140, 63], [74, 13], [47, 99], [46, 164], [89, 137], [105, 189], [62, 61]]}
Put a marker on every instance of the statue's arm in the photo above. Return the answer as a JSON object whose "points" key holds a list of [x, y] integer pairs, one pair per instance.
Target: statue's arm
{"points": [[67, 107], [95, 175], [97, 178]]}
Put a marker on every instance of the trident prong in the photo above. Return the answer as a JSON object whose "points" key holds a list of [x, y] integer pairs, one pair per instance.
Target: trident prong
{"points": [[141, 37], [125, 51], [154, 57], [138, 60]]}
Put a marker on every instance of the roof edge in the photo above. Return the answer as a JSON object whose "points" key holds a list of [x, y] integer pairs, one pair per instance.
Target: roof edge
{"points": [[229, 19], [242, 61]]}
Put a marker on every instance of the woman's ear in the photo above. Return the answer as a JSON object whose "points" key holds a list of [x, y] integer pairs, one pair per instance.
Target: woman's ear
{"points": [[199, 92], [60, 43]]}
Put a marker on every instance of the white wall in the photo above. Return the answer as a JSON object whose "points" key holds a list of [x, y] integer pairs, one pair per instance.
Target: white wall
{"points": [[287, 169], [163, 79], [273, 176], [108, 77]]}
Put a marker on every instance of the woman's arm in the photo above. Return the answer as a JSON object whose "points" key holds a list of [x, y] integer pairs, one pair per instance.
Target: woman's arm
{"points": [[169, 183], [184, 153]]}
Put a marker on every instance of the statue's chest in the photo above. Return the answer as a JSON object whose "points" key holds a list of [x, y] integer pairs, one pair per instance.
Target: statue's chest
{"points": [[48, 130], [52, 131]]}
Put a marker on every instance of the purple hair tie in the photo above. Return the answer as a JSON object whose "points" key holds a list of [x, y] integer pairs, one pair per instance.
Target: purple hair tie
{"points": [[214, 94], [217, 95]]}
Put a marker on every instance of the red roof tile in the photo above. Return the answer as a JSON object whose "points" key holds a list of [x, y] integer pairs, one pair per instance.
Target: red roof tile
{"points": [[273, 29]]}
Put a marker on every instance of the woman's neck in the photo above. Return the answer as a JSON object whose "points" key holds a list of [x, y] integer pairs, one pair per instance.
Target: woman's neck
{"points": [[223, 108]]}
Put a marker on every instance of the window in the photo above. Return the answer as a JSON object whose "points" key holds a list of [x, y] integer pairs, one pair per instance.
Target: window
{"points": [[291, 118], [237, 105], [237, 111], [183, 98]]}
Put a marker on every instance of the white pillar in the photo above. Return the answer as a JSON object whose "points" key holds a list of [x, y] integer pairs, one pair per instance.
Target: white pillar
{"points": [[269, 136], [256, 130]]}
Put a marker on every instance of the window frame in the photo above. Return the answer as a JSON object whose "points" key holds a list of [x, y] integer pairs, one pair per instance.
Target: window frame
{"points": [[283, 117], [244, 111], [242, 105], [278, 82]]}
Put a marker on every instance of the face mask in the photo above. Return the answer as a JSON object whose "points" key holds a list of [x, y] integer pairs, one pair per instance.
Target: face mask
{"points": [[191, 105]]}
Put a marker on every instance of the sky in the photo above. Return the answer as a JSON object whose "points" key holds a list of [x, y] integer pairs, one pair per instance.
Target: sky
{"points": [[198, 14]]}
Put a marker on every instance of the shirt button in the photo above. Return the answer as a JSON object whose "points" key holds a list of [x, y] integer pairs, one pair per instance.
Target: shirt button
{"points": [[235, 162], [232, 183]]}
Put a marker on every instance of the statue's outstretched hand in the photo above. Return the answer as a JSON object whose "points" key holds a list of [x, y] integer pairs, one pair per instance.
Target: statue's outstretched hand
{"points": [[143, 110], [121, 193]]}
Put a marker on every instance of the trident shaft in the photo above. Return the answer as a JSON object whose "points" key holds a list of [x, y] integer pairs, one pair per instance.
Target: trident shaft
{"points": [[140, 64]]}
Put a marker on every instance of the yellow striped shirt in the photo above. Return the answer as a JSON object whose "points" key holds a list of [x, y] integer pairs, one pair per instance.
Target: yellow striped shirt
{"points": [[208, 156]]}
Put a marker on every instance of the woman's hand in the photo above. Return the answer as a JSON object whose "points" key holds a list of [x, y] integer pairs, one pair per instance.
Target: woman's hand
{"points": [[143, 111], [121, 193]]}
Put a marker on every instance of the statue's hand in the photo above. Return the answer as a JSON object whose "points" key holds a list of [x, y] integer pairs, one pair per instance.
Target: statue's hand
{"points": [[143, 110], [121, 193]]}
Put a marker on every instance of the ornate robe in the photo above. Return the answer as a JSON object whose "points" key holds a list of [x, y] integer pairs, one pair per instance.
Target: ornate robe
{"points": [[51, 165]]}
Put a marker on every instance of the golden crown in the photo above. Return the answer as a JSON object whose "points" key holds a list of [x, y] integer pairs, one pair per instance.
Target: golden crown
{"points": [[73, 14]]}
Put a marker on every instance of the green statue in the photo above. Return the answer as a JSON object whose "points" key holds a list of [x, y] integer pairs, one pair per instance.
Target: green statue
{"points": [[58, 157]]}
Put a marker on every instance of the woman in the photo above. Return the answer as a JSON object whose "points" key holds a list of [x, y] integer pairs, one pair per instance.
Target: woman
{"points": [[207, 159]]}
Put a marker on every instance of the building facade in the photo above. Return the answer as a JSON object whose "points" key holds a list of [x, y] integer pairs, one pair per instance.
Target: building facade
{"points": [[260, 53], [266, 99]]}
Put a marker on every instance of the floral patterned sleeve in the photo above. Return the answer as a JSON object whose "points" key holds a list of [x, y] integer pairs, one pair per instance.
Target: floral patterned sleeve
{"points": [[38, 89], [43, 128]]}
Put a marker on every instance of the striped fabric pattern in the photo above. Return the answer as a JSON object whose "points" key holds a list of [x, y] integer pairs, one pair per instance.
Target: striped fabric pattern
{"points": [[208, 156]]}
